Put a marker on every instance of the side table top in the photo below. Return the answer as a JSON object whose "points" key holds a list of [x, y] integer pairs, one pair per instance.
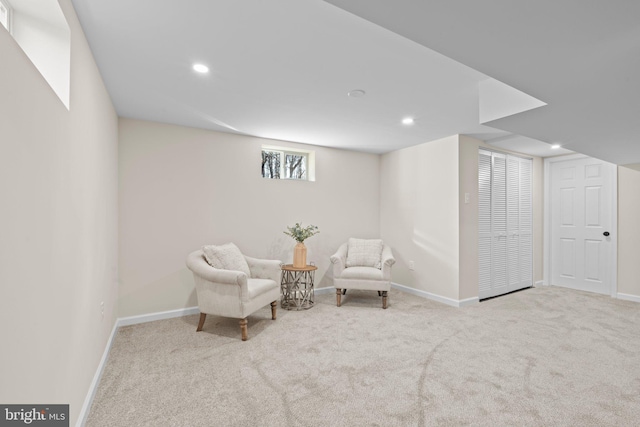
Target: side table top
{"points": [[290, 267]]}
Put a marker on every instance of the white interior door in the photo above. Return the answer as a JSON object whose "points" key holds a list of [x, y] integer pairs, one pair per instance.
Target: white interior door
{"points": [[581, 214]]}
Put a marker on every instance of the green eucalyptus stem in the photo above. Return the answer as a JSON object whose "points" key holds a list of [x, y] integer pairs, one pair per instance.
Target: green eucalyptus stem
{"points": [[299, 233]]}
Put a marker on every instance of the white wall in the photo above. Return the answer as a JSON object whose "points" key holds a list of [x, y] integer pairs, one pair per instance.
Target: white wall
{"points": [[419, 215], [628, 231], [58, 244], [182, 188]]}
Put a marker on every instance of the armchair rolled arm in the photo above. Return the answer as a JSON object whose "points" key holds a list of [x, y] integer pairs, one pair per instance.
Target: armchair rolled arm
{"points": [[387, 260], [339, 260], [387, 256], [199, 266], [265, 268]]}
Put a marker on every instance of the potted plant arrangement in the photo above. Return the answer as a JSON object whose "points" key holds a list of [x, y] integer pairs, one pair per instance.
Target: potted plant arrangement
{"points": [[300, 234]]}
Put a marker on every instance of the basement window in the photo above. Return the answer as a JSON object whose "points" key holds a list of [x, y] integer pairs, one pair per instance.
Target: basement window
{"points": [[41, 30], [5, 15], [288, 163]]}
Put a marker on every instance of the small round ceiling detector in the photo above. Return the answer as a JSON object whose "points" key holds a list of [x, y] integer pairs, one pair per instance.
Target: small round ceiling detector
{"points": [[356, 93]]}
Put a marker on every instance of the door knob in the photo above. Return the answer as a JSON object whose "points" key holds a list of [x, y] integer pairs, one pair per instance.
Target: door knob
{"points": [[605, 234]]}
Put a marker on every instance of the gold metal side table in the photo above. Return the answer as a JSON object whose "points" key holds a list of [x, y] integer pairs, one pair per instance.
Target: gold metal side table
{"points": [[297, 287]]}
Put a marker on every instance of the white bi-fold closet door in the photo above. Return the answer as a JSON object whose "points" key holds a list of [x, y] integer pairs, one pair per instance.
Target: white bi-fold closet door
{"points": [[505, 223]]}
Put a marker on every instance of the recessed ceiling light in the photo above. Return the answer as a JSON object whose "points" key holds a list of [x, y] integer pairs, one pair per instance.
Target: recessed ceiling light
{"points": [[201, 68], [356, 93], [555, 146], [407, 121]]}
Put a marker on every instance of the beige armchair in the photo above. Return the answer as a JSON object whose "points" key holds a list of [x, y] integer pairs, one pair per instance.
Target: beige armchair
{"points": [[234, 293], [362, 264]]}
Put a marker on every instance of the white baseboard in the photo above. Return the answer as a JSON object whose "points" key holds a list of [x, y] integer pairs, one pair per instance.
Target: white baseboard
{"points": [[124, 321], [539, 283], [468, 301], [327, 290], [434, 297], [143, 318], [86, 406], [627, 297]]}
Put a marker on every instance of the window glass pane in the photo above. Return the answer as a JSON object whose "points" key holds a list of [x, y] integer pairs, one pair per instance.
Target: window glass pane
{"points": [[270, 164], [295, 166]]}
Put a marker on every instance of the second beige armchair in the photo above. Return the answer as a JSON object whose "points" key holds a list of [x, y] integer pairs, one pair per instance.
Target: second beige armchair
{"points": [[363, 264]]}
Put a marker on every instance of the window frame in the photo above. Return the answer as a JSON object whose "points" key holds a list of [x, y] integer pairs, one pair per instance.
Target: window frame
{"points": [[283, 163], [283, 152], [280, 169], [9, 9]]}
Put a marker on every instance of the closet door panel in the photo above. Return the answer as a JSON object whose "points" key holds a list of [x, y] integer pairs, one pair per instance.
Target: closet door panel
{"points": [[484, 224], [526, 223], [499, 225], [513, 222], [505, 223]]}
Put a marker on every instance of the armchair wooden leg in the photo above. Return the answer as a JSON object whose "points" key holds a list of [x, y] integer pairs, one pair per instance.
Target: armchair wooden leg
{"points": [[338, 296], [384, 299], [243, 328], [274, 305], [201, 322]]}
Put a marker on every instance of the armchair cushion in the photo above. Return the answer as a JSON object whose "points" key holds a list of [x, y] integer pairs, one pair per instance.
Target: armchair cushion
{"points": [[366, 273], [364, 253], [226, 257], [257, 287]]}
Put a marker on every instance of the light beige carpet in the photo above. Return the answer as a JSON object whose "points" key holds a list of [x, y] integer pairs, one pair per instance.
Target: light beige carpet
{"points": [[539, 357]]}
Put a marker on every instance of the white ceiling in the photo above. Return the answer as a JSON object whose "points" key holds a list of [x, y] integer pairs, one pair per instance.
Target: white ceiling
{"points": [[523, 144], [282, 69], [580, 57]]}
